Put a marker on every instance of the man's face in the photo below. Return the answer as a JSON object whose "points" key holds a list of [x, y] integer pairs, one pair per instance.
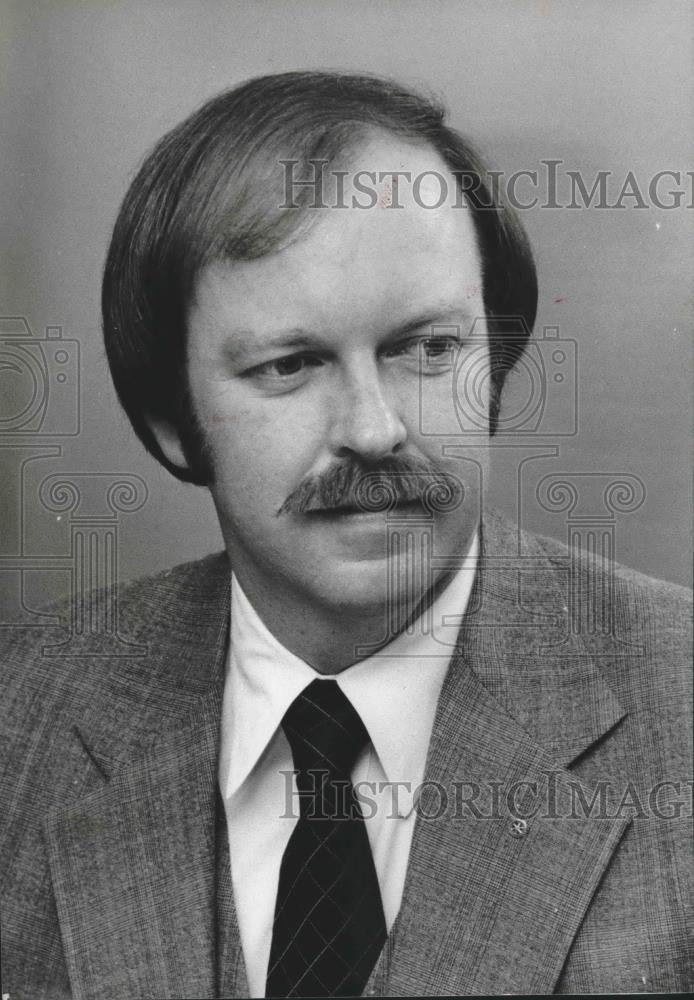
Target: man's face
{"points": [[337, 352]]}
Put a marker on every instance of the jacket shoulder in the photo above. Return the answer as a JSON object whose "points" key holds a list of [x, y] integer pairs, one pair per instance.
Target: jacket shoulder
{"points": [[638, 597], [639, 631], [95, 637]]}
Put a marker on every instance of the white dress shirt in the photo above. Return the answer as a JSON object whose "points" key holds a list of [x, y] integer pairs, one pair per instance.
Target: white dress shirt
{"points": [[395, 691]]}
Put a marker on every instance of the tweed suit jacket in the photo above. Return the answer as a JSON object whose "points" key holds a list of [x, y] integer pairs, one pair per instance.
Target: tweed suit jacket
{"points": [[568, 685]]}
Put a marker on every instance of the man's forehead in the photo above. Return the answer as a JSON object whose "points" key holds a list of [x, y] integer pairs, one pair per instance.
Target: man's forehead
{"points": [[372, 264], [412, 247], [241, 312]]}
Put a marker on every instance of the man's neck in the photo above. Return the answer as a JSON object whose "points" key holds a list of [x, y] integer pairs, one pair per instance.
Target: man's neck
{"points": [[328, 639]]}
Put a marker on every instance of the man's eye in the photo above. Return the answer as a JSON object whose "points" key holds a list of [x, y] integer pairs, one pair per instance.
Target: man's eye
{"points": [[286, 367], [431, 355], [436, 348]]}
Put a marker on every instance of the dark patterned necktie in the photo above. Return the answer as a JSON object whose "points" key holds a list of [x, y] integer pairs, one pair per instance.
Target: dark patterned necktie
{"points": [[329, 926]]}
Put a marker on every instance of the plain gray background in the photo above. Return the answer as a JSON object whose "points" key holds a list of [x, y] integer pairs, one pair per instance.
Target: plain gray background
{"points": [[88, 87]]}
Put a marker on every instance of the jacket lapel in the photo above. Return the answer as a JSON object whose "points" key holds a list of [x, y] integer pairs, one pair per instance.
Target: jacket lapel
{"points": [[485, 910], [133, 869], [139, 868], [232, 980]]}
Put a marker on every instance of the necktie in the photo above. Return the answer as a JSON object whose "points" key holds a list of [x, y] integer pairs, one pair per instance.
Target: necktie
{"points": [[329, 926]]}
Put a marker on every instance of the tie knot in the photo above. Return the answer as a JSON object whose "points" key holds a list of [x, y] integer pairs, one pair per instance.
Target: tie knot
{"points": [[324, 730]]}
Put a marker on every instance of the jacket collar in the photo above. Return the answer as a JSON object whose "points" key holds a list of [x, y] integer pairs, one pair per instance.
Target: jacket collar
{"points": [[133, 864]]}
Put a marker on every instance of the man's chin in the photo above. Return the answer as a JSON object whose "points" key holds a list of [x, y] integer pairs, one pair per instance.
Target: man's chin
{"points": [[375, 586]]}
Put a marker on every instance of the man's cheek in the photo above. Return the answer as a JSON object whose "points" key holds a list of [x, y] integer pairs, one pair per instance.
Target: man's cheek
{"points": [[436, 413]]}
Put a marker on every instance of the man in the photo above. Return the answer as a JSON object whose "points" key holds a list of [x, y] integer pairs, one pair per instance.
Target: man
{"points": [[372, 748]]}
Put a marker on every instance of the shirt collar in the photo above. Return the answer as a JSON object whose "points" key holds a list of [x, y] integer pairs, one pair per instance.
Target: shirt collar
{"points": [[395, 690]]}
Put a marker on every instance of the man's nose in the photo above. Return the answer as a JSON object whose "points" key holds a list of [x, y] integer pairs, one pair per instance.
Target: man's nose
{"points": [[366, 423]]}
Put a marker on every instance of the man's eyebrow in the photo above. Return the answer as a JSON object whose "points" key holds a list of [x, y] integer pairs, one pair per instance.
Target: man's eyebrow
{"points": [[246, 340]]}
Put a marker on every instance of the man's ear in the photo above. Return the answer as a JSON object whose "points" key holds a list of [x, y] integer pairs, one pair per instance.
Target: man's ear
{"points": [[169, 441]]}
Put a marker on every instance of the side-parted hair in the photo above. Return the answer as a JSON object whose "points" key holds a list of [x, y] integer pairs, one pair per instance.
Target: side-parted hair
{"points": [[213, 188]]}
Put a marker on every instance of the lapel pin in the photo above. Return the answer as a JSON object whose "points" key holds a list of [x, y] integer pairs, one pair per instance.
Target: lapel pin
{"points": [[519, 828]]}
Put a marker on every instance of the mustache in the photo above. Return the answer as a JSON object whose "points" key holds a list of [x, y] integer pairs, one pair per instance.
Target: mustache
{"points": [[395, 480]]}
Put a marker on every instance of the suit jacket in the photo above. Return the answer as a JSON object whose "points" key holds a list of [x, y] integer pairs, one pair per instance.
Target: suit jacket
{"points": [[568, 683]]}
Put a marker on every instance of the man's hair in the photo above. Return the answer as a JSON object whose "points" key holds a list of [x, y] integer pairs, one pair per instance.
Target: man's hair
{"points": [[213, 188]]}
